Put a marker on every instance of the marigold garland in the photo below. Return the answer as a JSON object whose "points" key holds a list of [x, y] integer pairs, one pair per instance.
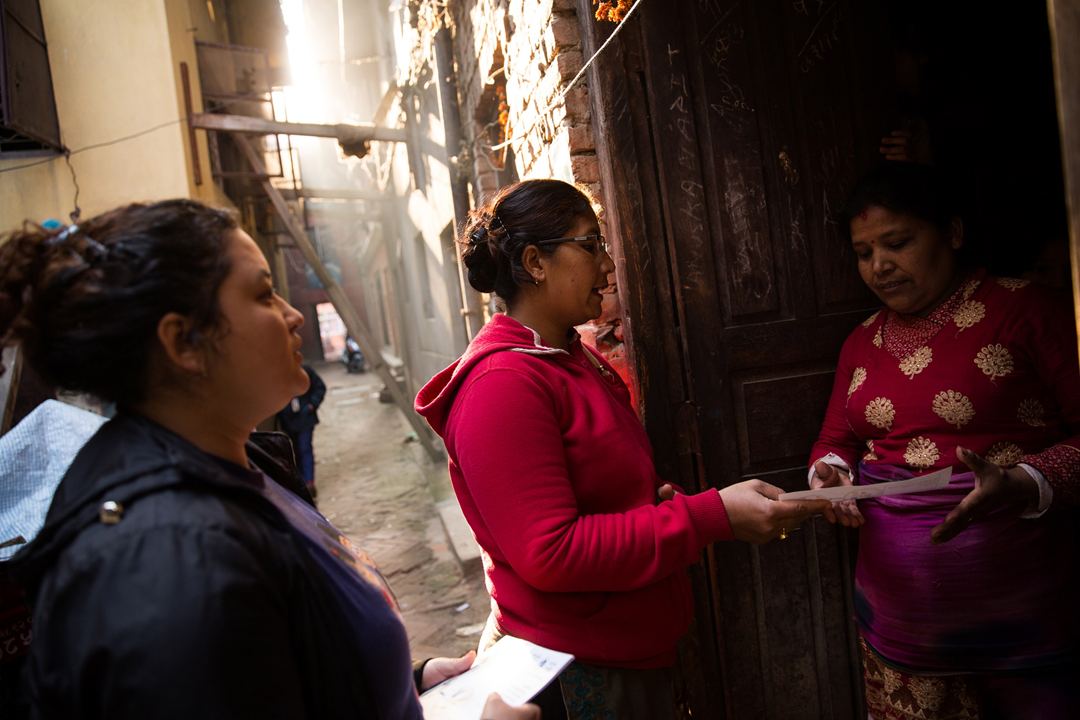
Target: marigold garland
{"points": [[504, 111], [612, 11]]}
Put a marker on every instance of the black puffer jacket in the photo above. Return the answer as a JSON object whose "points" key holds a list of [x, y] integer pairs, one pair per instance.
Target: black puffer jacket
{"points": [[201, 602]]}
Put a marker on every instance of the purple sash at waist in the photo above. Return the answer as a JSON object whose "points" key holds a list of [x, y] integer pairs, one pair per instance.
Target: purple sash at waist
{"points": [[1000, 595]]}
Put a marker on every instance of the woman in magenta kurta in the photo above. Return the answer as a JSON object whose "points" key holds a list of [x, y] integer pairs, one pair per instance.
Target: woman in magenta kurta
{"points": [[584, 546], [965, 597]]}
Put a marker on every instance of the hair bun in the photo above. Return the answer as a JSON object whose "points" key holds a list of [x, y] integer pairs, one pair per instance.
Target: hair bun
{"points": [[476, 252], [495, 236]]}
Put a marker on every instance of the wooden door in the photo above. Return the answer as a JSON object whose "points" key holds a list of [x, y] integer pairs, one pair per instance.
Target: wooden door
{"points": [[1064, 19], [731, 132]]}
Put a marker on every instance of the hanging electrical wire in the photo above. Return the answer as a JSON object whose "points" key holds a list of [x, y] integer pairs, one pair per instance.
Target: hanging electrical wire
{"points": [[562, 95], [68, 153]]}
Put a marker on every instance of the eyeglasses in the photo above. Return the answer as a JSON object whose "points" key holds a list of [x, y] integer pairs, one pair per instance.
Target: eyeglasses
{"points": [[599, 244]]}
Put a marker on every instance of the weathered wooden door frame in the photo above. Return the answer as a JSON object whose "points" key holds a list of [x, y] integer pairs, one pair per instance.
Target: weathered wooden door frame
{"points": [[1064, 16], [663, 289], [650, 300]]}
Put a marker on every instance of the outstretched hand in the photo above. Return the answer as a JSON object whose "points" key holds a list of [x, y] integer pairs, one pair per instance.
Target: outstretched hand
{"points": [[845, 512], [757, 516], [994, 486]]}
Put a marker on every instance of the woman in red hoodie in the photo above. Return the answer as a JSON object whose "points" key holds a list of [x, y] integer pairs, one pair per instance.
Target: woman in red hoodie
{"points": [[584, 546]]}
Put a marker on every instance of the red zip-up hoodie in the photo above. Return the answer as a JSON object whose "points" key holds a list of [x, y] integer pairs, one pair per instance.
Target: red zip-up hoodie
{"points": [[555, 475]]}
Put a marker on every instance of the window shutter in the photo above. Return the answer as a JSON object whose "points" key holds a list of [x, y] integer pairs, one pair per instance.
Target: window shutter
{"points": [[27, 105]]}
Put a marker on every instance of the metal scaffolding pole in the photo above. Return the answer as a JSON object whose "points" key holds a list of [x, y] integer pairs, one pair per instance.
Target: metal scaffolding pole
{"points": [[356, 327]]}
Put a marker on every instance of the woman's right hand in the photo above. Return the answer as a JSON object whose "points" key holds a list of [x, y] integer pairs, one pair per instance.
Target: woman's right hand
{"points": [[845, 512], [496, 709], [757, 516]]}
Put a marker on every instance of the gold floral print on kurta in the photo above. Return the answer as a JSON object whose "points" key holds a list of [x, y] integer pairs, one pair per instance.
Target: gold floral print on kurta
{"points": [[1031, 412], [857, 378], [995, 360], [968, 314], [1012, 283], [1004, 454], [916, 362], [877, 338], [870, 455], [921, 453], [954, 408], [870, 320], [880, 413]]}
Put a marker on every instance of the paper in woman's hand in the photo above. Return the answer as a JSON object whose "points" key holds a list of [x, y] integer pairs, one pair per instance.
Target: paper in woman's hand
{"points": [[925, 483], [514, 668]]}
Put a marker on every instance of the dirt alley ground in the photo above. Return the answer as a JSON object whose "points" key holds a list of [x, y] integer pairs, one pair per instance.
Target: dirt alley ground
{"points": [[380, 491]]}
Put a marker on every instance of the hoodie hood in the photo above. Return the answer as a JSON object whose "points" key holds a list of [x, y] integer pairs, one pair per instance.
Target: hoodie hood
{"points": [[436, 398]]}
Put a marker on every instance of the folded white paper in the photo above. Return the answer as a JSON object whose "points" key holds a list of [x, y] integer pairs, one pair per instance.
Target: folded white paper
{"points": [[925, 483], [516, 669]]}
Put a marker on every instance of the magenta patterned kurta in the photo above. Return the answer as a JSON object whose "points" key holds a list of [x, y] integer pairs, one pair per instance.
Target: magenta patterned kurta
{"points": [[993, 369]]}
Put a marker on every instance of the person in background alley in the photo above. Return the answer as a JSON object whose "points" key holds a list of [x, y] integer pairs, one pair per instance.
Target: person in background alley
{"points": [[174, 576], [585, 546], [298, 419], [965, 597]]}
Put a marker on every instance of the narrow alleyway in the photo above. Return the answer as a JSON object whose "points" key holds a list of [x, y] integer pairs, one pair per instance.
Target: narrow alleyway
{"points": [[380, 490]]}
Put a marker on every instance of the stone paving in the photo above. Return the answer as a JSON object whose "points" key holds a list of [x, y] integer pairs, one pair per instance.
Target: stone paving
{"points": [[380, 489]]}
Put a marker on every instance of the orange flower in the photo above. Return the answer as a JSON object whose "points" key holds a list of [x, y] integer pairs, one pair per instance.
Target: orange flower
{"points": [[612, 11]]}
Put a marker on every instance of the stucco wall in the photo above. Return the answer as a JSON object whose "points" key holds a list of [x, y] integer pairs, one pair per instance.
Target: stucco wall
{"points": [[188, 22], [113, 76]]}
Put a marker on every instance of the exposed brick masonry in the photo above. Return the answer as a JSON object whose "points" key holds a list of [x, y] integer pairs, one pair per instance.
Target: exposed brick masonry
{"points": [[538, 43]]}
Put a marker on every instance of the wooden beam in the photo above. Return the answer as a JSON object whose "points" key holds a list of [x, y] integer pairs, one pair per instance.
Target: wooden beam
{"points": [[344, 133], [469, 302], [1064, 16], [356, 327], [196, 170], [342, 212], [317, 194], [384, 105]]}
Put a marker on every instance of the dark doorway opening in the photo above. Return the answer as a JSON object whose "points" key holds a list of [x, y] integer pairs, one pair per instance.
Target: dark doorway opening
{"points": [[974, 82], [732, 133]]}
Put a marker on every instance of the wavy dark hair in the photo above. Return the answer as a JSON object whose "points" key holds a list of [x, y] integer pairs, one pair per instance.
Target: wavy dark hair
{"points": [[85, 302], [495, 235], [923, 191]]}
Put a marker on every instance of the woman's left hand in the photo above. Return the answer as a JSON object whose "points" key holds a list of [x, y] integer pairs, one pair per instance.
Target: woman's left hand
{"points": [[994, 486], [898, 146], [441, 669]]}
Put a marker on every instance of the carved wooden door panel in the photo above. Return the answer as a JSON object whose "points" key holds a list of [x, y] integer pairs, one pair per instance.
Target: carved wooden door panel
{"points": [[732, 132]]}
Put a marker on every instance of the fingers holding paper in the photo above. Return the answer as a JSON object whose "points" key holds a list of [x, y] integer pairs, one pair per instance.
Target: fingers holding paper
{"points": [[826, 475], [845, 512], [496, 709], [437, 670], [757, 516]]}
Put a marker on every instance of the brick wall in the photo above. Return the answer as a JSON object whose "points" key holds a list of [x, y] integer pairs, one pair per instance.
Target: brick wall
{"points": [[532, 50]]}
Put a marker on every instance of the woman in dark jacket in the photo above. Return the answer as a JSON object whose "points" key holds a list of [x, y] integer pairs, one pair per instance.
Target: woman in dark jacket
{"points": [[174, 577]]}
